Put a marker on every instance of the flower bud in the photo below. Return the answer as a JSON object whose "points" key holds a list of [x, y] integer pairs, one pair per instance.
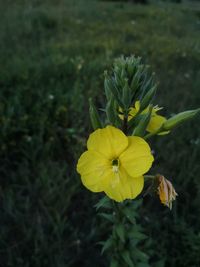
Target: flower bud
{"points": [[143, 123], [135, 82], [126, 95], [112, 112], [166, 191], [145, 101], [94, 116], [179, 118], [111, 89]]}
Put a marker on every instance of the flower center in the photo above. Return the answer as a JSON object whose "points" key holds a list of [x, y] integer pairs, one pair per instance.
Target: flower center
{"points": [[115, 165]]}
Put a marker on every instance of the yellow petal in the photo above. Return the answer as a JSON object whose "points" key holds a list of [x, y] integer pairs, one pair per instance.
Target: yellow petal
{"points": [[95, 171], [110, 142], [137, 105], [124, 187], [132, 113], [155, 123], [137, 158]]}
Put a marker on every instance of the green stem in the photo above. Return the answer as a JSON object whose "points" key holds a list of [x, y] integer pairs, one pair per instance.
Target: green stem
{"points": [[117, 211], [152, 134], [125, 124]]}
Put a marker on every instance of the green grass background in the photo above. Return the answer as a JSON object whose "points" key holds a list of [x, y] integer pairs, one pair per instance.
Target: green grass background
{"points": [[52, 57]]}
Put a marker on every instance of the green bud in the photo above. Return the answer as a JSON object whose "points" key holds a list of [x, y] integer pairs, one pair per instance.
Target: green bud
{"points": [[111, 89], [126, 98], [117, 76], [179, 118], [110, 111], [135, 81], [147, 98], [94, 116], [106, 86], [146, 86], [131, 69], [143, 123], [123, 73]]}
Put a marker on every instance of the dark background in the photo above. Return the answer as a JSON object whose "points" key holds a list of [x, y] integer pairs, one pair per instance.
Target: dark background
{"points": [[52, 57]]}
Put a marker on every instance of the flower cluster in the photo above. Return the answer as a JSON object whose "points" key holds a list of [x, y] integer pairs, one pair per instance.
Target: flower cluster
{"points": [[118, 155]]}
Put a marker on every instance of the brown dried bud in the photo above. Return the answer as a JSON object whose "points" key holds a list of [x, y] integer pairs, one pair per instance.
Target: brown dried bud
{"points": [[166, 191]]}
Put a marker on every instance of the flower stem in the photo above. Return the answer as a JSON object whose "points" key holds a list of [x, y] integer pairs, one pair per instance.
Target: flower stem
{"points": [[125, 124], [152, 134]]}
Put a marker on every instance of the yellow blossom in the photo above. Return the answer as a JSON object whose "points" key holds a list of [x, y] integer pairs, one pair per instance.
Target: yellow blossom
{"points": [[166, 191], [156, 120], [115, 163]]}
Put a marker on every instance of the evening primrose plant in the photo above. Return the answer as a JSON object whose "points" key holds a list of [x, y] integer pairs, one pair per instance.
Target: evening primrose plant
{"points": [[118, 156]]}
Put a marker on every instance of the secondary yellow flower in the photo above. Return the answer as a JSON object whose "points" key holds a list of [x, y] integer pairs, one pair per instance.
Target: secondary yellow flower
{"points": [[115, 163], [156, 120], [166, 191]]}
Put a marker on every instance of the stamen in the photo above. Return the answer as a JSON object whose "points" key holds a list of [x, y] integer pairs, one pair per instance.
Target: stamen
{"points": [[115, 165], [115, 168]]}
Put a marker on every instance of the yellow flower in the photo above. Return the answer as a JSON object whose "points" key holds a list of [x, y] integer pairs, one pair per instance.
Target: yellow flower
{"points": [[115, 163], [166, 191], [156, 120]]}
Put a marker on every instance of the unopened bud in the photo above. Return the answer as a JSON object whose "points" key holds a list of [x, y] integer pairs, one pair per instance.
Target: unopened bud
{"points": [[179, 118], [143, 123], [126, 95], [146, 100], [94, 116]]}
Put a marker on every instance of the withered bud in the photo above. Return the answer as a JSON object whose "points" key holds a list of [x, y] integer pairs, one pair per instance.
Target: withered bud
{"points": [[166, 191]]}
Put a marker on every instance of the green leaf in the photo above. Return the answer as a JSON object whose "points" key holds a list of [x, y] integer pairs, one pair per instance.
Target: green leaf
{"points": [[140, 255], [106, 216], [133, 122], [120, 232], [135, 234], [142, 264], [130, 214], [160, 263], [114, 263], [103, 203], [127, 258], [107, 245]]}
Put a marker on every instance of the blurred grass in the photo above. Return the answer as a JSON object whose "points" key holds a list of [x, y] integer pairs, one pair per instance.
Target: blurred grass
{"points": [[52, 58]]}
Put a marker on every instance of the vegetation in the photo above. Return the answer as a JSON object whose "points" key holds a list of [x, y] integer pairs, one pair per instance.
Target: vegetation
{"points": [[52, 58]]}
